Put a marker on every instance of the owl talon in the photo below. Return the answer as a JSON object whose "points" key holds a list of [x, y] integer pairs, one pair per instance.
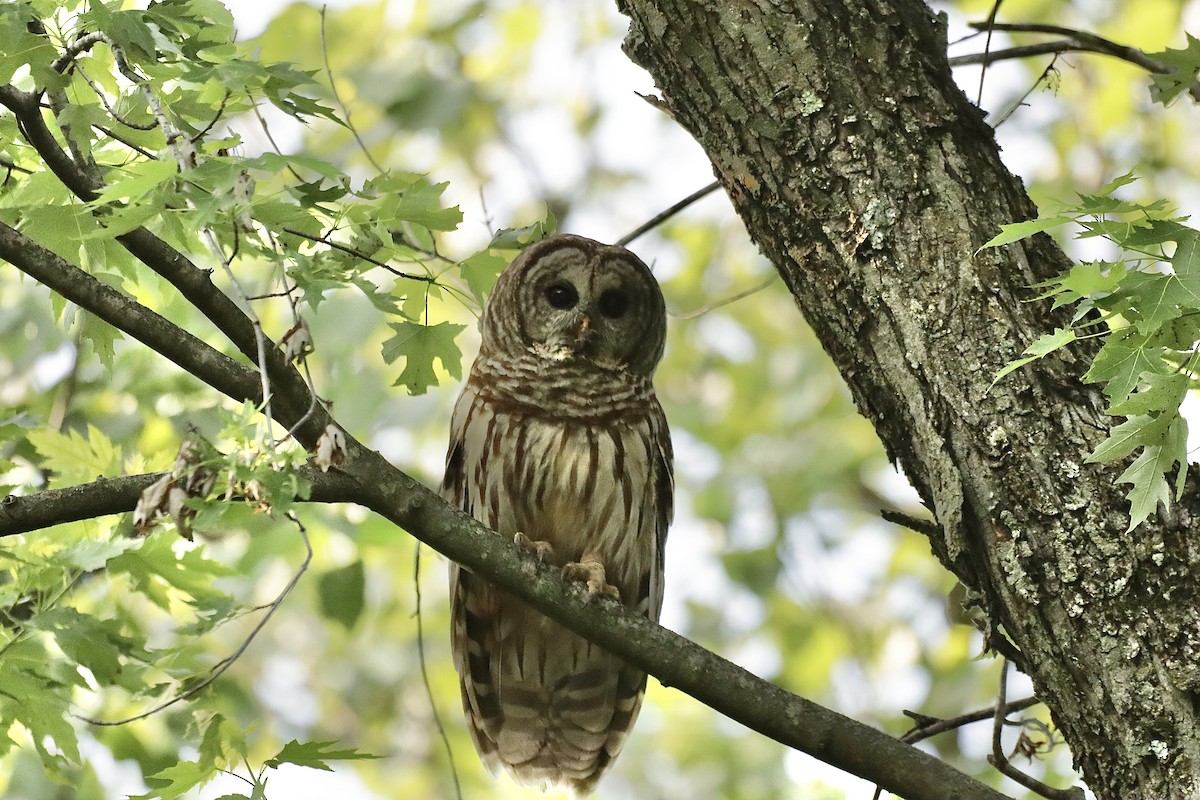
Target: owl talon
{"points": [[592, 574], [542, 551]]}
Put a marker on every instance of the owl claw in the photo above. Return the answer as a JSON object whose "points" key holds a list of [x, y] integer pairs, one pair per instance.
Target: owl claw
{"points": [[592, 574], [542, 551]]}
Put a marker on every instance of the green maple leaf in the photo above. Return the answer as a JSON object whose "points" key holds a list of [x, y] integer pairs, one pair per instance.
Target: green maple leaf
{"points": [[480, 272], [176, 781], [421, 345], [314, 755], [75, 458], [1142, 430], [1166, 87], [1126, 355], [1147, 473], [1015, 231], [1155, 392], [1045, 345], [342, 592]]}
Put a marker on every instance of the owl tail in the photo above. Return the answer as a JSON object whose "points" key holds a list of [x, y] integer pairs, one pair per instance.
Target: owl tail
{"points": [[544, 704]]}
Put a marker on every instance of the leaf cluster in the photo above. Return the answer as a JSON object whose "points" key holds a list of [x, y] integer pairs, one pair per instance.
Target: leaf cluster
{"points": [[150, 107], [1144, 304]]}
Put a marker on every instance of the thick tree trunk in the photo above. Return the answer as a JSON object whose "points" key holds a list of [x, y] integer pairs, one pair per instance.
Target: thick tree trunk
{"points": [[870, 181]]}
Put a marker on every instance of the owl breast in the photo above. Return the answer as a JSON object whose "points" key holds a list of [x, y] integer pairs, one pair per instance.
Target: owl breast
{"points": [[577, 484]]}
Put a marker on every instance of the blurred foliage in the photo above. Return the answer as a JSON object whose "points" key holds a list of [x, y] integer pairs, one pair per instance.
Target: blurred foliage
{"points": [[518, 113]]}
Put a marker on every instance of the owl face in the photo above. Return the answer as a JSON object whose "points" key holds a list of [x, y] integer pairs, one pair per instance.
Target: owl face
{"points": [[568, 298]]}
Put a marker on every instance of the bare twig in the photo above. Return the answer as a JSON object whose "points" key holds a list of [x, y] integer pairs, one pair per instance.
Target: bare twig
{"points": [[336, 96], [928, 527], [926, 727], [1021, 100], [998, 760], [11, 167], [266, 129], [216, 118], [437, 718], [112, 112], [990, 26], [75, 49], [1023, 51], [126, 141], [724, 301], [663, 216]]}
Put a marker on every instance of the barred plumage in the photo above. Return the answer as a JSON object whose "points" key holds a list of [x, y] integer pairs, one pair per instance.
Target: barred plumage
{"points": [[558, 436]]}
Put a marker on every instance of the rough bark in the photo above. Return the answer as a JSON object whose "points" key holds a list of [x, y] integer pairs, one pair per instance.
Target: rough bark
{"points": [[870, 181]]}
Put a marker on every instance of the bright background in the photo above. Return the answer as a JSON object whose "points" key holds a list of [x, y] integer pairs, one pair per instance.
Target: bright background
{"points": [[778, 558]]}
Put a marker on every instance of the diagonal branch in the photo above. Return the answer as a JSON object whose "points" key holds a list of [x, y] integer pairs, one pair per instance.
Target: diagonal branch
{"points": [[676, 661], [369, 480], [195, 356]]}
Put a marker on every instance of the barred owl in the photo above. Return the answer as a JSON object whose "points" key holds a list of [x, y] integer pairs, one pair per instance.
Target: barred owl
{"points": [[558, 441]]}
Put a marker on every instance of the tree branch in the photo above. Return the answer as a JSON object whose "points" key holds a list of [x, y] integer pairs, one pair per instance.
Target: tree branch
{"points": [[190, 353], [369, 480], [1074, 40], [192, 282], [927, 727], [104, 496]]}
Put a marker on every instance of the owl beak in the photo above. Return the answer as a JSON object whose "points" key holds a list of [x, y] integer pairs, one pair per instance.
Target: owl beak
{"points": [[585, 333]]}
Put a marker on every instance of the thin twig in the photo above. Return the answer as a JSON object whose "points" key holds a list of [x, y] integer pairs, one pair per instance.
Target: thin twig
{"points": [[437, 718], [1021, 100], [221, 666], [262, 123], [1022, 51], [112, 112], [75, 49], [987, 45], [125, 141], [357, 254], [928, 527], [927, 727], [998, 760], [713, 306], [11, 167], [216, 118], [336, 96], [663, 216]]}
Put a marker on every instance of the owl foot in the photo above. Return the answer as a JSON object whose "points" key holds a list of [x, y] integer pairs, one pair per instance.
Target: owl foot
{"points": [[542, 551], [591, 572]]}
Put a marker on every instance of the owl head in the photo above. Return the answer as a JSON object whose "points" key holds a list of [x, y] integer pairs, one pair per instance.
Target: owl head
{"points": [[572, 299]]}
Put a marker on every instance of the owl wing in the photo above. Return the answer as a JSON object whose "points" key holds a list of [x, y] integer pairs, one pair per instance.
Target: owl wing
{"points": [[662, 490], [473, 637]]}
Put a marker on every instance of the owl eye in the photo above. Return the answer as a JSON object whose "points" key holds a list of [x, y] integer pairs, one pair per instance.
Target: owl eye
{"points": [[562, 296], [613, 303]]}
